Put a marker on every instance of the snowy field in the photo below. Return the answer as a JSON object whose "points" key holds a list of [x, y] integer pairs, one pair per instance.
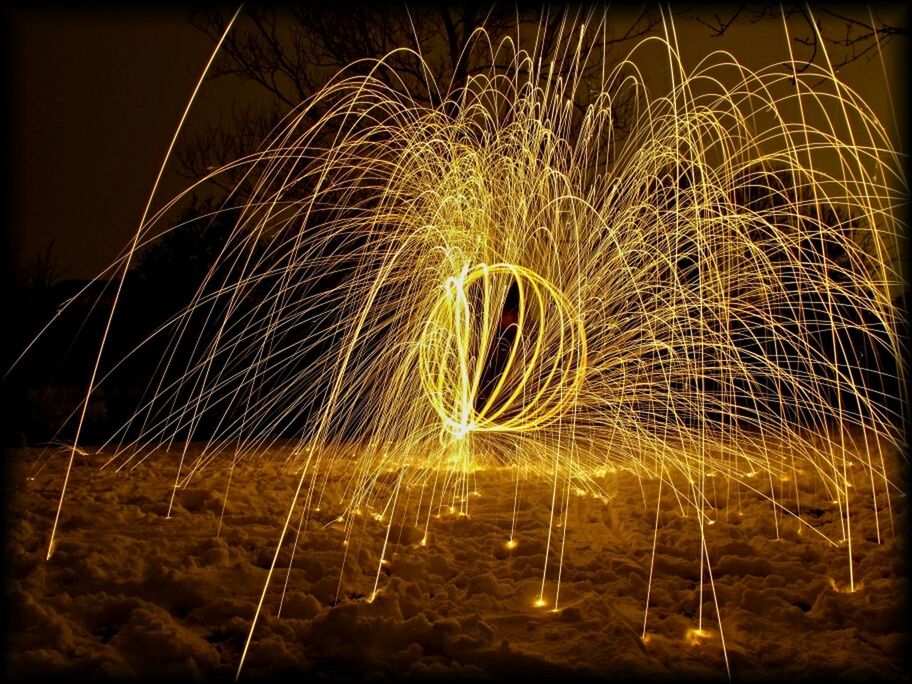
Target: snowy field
{"points": [[130, 594]]}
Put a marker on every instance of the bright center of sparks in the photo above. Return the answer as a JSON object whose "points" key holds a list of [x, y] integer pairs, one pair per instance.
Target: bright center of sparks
{"points": [[502, 351]]}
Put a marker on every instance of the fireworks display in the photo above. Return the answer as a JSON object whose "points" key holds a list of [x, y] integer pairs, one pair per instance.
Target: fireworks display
{"points": [[697, 290]]}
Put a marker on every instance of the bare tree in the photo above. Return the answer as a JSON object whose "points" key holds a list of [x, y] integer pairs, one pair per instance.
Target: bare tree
{"points": [[290, 53], [848, 36], [44, 269]]}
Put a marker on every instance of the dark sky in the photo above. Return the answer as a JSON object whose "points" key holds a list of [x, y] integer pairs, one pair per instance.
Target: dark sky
{"points": [[97, 96]]}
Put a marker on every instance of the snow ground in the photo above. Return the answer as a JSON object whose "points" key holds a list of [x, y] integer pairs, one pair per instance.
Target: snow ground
{"points": [[131, 594]]}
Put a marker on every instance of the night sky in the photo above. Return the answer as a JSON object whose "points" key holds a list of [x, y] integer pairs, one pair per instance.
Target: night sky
{"points": [[98, 94]]}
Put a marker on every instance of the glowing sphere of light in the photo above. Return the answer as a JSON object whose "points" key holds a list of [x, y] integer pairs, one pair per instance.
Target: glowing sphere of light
{"points": [[502, 351]]}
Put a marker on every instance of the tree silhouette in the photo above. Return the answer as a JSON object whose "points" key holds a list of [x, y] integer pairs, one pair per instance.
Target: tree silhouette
{"points": [[848, 342], [291, 52], [846, 37]]}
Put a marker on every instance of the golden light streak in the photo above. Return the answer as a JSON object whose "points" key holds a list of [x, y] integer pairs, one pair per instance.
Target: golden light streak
{"points": [[126, 266]]}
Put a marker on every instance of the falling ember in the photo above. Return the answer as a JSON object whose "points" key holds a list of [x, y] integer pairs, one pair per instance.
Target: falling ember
{"points": [[505, 292], [695, 637]]}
